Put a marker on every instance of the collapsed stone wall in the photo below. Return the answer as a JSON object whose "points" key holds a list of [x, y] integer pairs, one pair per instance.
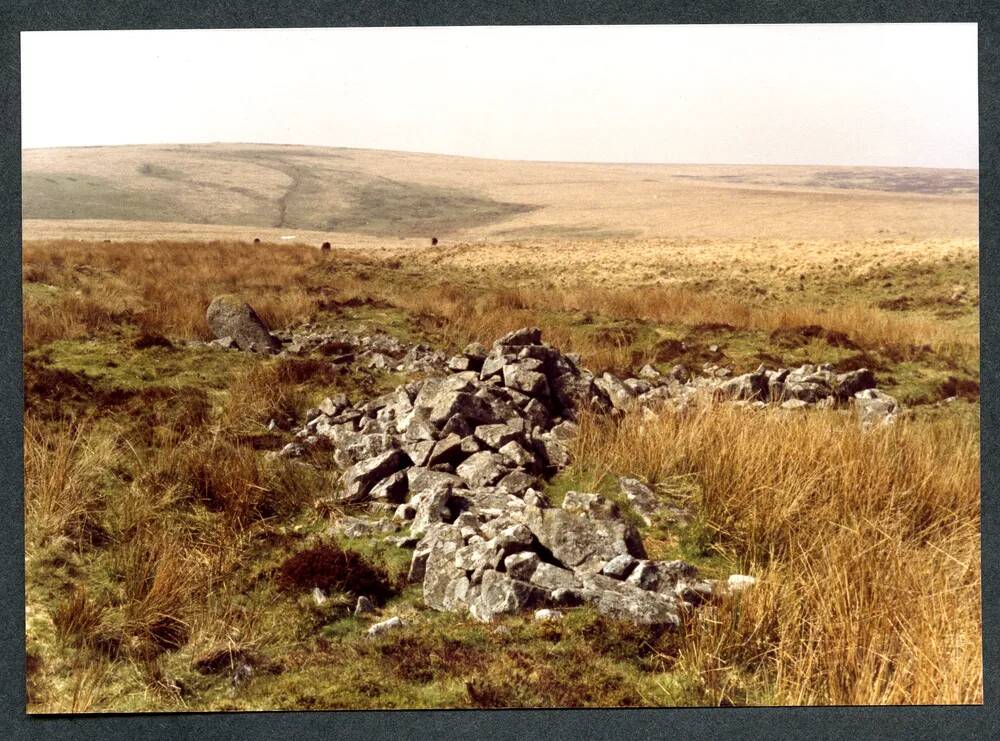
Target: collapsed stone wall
{"points": [[461, 459]]}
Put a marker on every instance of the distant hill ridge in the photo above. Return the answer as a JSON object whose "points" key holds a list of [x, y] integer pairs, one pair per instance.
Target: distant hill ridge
{"points": [[398, 194]]}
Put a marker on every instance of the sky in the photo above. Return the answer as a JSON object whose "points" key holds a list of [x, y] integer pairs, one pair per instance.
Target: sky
{"points": [[850, 94]]}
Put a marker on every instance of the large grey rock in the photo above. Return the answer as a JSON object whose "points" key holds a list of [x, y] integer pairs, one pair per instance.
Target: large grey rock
{"points": [[372, 445], [875, 408], [463, 404], [419, 451], [640, 497], [620, 395], [478, 555], [500, 595], [434, 388], [580, 542], [516, 483], [847, 385], [421, 479], [536, 414], [392, 488], [521, 377], [623, 601], [519, 337], [619, 567], [447, 450], [661, 576], [521, 565], [482, 469], [493, 365], [550, 577], [517, 455], [573, 391], [807, 391], [501, 408], [496, 436], [423, 548], [438, 569], [807, 383], [456, 425], [332, 406], [490, 502], [431, 507], [229, 316], [637, 386], [416, 427], [361, 477], [749, 386], [554, 451]]}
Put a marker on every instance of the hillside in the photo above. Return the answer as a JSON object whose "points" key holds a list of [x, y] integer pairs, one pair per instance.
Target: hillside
{"points": [[329, 193]]}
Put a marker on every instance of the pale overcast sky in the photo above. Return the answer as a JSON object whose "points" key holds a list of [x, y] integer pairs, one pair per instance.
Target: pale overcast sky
{"points": [[902, 94]]}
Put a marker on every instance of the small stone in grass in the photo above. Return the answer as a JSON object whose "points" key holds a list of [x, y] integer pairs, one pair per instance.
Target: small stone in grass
{"points": [[385, 626]]}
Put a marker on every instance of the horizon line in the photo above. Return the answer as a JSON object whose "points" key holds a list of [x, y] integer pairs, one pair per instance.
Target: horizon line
{"points": [[495, 159]]}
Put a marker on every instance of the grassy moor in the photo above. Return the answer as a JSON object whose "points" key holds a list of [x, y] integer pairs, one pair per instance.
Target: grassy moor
{"points": [[188, 549]]}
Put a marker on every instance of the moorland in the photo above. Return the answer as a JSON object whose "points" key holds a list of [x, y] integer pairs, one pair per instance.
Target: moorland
{"points": [[159, 530]]}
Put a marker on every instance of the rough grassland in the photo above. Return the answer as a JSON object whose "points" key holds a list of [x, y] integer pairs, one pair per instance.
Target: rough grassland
{"points": [[163, 551], [157, 534]]}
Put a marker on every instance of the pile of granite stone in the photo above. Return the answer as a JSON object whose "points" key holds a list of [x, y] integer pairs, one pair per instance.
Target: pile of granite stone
{"points": [[459, 460]]}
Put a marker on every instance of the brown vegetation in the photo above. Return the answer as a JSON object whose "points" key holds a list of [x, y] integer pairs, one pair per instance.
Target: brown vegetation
{"points": [[157, 532], [866, 547], [164, 288], [331, 568]]}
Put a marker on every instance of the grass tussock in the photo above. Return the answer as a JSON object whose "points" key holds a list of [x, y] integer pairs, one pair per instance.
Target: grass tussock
{"points": [[866, 547], [273, 391], [64, 469]]}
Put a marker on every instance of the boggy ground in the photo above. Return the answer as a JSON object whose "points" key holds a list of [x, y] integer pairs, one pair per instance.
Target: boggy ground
{"points": [[164, 551]]}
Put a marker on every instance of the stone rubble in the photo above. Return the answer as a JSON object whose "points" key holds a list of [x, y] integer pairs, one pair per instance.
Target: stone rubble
{"points": [[461, 458], [237, 327]]}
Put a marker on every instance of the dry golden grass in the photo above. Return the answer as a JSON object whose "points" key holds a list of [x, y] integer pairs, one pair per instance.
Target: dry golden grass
{"points": [[166, 287], [162, 287], [866, 547], [64, 470], [470, 314], [91, 492]]}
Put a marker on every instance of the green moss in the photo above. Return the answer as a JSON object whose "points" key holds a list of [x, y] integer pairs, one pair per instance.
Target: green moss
{"points": [[113, 363], [579, 477], [914, 383]]}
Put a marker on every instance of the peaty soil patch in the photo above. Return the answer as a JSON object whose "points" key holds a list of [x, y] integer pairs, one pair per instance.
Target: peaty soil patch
{"points": [[799, 336], [334, 569], [150, 339], [963, 388]]}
